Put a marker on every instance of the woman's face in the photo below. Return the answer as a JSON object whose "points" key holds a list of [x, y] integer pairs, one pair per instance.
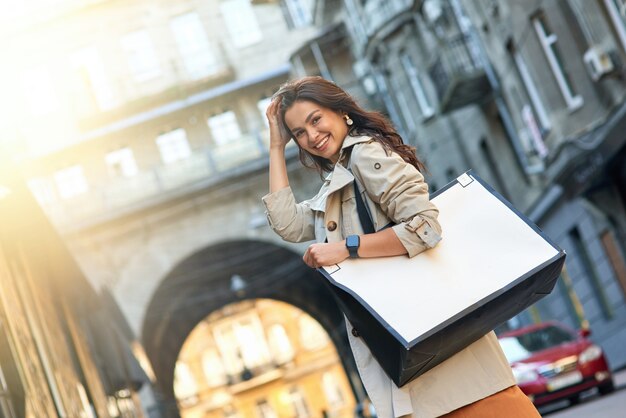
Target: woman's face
{"points": [[318, 130]]}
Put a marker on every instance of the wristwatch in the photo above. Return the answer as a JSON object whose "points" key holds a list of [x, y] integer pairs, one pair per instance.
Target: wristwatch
{"points": [[352, 244]]}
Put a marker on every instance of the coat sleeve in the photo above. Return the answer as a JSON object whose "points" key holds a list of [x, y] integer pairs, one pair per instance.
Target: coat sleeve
{"points": [[294, 222], [401, 192]]}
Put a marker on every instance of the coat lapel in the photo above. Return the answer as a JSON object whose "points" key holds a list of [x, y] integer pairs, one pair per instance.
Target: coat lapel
{"points": [[341, 177], [338, 178]]}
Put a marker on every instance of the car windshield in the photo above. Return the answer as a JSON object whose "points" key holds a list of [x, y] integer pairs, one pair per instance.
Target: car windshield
{"points": [[522, 346]]}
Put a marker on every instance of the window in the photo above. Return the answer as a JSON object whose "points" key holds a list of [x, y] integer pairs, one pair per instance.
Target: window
{"points": [[252, 342], [224, 128], [405, 108], [425, 105], [121, 163], [43, 190], [312, 335], [280, 345], [332, 389], [534, 114], [241, 343], [213, 369], [617, 12], [354, 22], [522, 346], [265, 410], [262, 105], [173, 146], [185, 385], [38, 89], [548, 43], [299, 13], [229, 349], [71, 181], [142, 59], [298, 403], [241, 22], [382, 87], [194, 47], [90, 70]]}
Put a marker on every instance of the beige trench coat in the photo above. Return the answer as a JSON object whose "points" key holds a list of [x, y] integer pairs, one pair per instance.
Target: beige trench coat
{"points": [[394, 191]]}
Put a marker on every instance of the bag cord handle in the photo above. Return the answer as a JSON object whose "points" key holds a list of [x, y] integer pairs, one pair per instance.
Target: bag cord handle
{"points": [[364, 216]]}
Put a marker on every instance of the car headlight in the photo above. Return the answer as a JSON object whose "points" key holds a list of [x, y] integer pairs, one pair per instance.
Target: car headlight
{"points": [[591, 353], [524, 375]]}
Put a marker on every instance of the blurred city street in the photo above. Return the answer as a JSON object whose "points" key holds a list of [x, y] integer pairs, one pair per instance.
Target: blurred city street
{"points": [[142, 275]]}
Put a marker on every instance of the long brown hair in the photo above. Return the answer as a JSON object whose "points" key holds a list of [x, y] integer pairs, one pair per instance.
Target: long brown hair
{"points": [[328, 94]]}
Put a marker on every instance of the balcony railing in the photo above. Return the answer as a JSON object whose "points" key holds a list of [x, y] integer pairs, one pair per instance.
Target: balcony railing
{"points": [[161, 182], [377, 12], [459, 79]]}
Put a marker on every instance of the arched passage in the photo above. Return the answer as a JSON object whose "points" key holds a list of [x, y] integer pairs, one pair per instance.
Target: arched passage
{"points": [[202, 283]]}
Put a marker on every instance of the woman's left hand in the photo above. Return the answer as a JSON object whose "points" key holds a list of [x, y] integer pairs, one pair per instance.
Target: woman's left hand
{"points": [[325, 254]]}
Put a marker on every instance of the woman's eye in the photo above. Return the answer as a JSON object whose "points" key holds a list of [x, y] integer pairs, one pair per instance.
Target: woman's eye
{"points": [[298, 134], [316, 119]]}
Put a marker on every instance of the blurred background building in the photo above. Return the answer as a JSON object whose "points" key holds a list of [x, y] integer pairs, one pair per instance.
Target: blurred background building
{"points": [[140, 128], [64, 350]]}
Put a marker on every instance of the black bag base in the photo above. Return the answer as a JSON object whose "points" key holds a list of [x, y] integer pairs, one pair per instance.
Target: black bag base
{"points": [[404, 362]]}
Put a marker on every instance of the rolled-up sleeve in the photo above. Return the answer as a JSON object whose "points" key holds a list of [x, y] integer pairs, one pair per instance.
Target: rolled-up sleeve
{"points": [[401, 192], [294, 222]]}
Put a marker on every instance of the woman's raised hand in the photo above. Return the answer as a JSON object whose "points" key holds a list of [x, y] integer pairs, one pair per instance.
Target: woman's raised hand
{"points": [[278, 166], [278, 138]]}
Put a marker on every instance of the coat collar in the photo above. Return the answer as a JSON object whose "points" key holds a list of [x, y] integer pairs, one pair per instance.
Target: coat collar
{"points": [[341, 176], [352, 140]]}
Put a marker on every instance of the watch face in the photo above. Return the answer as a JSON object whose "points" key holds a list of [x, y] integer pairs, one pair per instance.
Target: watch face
{"points": [[352, 241]]}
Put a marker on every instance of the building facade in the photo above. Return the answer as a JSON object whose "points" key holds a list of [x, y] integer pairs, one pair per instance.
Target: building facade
{"points": [[295, 368], [141, 130], [531, 96], [52, 362]]}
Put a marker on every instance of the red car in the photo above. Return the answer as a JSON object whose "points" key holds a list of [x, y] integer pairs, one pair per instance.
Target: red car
{"points": [[552, 362]]}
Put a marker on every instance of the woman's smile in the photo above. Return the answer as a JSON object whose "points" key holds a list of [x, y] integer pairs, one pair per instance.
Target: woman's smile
{"points": [[321, 146]]}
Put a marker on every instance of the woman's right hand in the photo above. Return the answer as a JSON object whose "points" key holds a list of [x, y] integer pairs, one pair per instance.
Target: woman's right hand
{"points": [[278, 138]]}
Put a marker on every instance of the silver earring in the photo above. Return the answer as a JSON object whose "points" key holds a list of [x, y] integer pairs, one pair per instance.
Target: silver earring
{"points": [[349, 121]]}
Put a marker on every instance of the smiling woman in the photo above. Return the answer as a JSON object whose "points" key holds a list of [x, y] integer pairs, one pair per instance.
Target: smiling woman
{"points": [[365, 156]]}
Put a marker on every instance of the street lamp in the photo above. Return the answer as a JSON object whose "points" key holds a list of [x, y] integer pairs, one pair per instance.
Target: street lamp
{"points": [[238, 285]]}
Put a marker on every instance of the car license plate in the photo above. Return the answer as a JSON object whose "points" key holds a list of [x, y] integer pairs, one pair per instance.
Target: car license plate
{"points": [[564, 381]]}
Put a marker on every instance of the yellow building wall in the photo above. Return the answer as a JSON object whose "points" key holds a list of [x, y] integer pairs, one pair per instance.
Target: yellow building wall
{"points": [[304, 372]]}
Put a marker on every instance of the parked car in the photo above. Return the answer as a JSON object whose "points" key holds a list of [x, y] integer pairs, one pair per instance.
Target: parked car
{"points": [[552, 362]]}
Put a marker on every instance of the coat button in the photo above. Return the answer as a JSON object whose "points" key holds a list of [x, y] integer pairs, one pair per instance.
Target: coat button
{"points": [[355, 332], [332, 225]]}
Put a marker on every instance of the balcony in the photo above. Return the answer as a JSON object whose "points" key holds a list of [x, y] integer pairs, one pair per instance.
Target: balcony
{"points": [[377, 13], [202, 169], [458, 78]]}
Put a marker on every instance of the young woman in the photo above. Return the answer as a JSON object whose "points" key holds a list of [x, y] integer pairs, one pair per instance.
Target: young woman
{"points": [[335, 135]]}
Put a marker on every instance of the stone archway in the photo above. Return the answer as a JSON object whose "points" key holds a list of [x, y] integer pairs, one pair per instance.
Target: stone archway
{"points": [[202, 283]]}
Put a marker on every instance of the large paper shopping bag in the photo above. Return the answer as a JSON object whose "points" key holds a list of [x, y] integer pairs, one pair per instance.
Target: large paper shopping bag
{"points": [[414, 313]]}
